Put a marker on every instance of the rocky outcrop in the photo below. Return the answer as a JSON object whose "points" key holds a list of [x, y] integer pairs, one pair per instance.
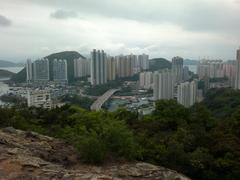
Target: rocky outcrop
{"points": [[28, 155]]}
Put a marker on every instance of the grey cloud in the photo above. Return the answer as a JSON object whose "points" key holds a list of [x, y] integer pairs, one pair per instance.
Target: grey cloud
{"points": [[190, 14], [63, 14], [4, 21]]}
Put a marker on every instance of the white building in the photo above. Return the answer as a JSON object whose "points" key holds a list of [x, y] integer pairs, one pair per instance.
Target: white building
{"points": [[237, 85], [81, 67], [210, 68], [143, 61], [41, 70], [98, 67], [111, 69], [163, 84], [187, 93], [39, 98], [29, 70], [60, 70], [125, 65], [146, 80]]}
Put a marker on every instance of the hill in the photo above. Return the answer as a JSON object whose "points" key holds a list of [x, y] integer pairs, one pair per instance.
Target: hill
{"points": [[158, 64], [5, 73], [68, 55], [4, 63]]}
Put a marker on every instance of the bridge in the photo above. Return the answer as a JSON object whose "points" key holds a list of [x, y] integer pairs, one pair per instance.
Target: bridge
{"points": [[97, 105]]}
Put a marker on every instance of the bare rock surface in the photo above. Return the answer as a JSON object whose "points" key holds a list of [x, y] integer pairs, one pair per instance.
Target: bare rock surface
{"points": [[31, 156]]}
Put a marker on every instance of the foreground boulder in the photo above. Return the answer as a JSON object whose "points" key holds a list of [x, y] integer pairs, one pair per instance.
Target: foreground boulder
{"points": [[28, 155]]}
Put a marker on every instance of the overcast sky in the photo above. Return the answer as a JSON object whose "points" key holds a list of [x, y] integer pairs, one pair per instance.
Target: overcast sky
{"points": [[162, 28]]}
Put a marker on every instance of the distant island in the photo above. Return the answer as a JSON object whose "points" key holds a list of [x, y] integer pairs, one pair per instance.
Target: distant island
{"points": [[4, 63]]}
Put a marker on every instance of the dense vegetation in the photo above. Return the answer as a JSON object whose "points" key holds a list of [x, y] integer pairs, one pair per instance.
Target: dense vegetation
{"points": [[68, 55], [195, 141], [83, 102]]}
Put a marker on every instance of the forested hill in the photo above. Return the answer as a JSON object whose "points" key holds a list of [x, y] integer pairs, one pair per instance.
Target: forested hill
{"points": [[158, 64], [68, 55]]}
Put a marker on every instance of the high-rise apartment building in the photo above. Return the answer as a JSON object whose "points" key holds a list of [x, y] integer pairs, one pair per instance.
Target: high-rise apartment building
{"points": [[187, 93], [98, 67], [210, 68], [146, 80], [143, 61], [177, 68], [60, 70], [41, 70], [163, 84], [125, 65], [111, 68], [237, 84], [81, 67], [29, 70]]}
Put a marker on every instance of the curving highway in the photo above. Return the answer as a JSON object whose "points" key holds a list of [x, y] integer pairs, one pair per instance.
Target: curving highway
{"points": [[97, 105]]}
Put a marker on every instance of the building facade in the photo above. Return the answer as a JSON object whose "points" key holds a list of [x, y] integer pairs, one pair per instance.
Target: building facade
{"points": [[146, 80], [39, 98], [111, 69], [237, 84], [143, 61], [29, 70], [60, 70], [81, 67], [163, 84], [187, 93], [98, 67], [41, 70], [177, 68]]}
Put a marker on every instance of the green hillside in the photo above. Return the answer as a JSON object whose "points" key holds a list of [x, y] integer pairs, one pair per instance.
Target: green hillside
{"points": [[68, 55], [158, 64]]}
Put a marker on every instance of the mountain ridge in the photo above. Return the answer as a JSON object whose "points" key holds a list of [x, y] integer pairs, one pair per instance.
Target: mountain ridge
{"points": [[4, 63]]}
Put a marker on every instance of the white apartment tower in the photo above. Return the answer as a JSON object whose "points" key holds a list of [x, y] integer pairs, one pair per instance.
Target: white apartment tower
{"points": [[41, 70], [143, 61], [81, 67], [163, 84], [29, 70], [146, 80], [111, 69], [60, 70], [237, 84], [98, 67], [187, 93], [177, 68]]}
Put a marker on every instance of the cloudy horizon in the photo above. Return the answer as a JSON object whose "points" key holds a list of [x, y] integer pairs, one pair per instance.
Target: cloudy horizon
{"points": [[191, 29]]}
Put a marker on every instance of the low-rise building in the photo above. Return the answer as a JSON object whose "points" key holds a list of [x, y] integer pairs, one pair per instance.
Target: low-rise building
{"points": [[39, 98]]}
